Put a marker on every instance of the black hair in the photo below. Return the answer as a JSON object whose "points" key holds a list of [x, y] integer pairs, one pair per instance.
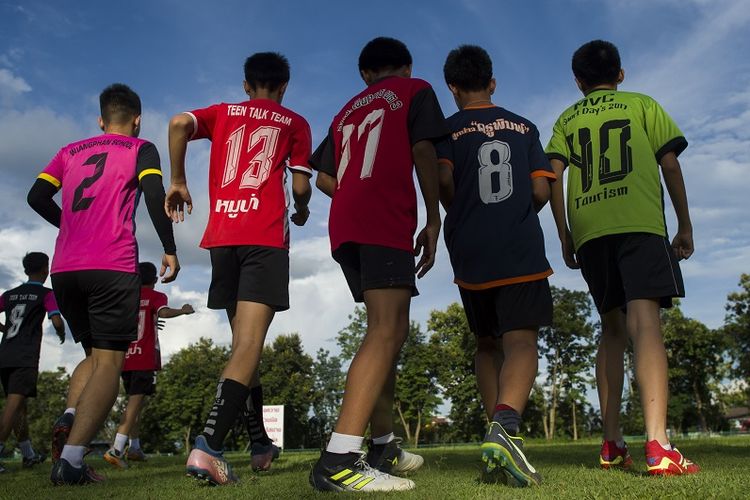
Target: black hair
{"points": [[596, 63], [268, 70], [148, 273], [468, 67], [119, 103], [384, 53], [34, 262]]}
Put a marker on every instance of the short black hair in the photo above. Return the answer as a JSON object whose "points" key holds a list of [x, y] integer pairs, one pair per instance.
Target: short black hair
{"points": [[384, 53], [596, 63], [468, 67], [148, 273], [34, 262], [119, 103], [268, 70]]}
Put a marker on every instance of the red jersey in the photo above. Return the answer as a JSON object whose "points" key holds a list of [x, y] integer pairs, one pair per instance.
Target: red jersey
{"points": [[252, 145], [144, 353], [368, 150]]}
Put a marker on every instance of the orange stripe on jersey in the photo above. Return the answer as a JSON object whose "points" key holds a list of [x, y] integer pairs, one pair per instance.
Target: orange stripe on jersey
{"points": [[503, 282], [446, 161], [52, 180], [543, 173]]}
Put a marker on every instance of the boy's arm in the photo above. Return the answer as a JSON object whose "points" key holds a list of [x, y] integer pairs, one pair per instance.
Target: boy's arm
{"points": [[557, 203], [301, 192], [181, 128], [323, 160], [40, 199], [168, 312], [326, 183], [59, 325], [447, 188], [425, 162], [683, 240], [540, 191]]}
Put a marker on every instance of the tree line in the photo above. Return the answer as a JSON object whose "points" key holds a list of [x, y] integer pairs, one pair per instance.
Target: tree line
{"points": [[709, 370]]}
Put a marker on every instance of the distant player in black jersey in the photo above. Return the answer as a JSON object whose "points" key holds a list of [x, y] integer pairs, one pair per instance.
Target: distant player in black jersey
{"points": [[24, 308], [494, 180]]}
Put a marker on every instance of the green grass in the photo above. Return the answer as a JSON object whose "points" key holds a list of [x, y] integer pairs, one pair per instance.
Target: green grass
{"points": [[569, 470]]}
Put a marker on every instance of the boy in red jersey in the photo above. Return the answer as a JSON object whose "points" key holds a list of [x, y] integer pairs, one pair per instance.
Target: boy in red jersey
{"points": [[142, 361], [95, 266], [366, 166], [253, 144]]}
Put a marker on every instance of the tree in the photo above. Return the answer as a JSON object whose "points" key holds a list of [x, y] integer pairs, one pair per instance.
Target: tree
{"points": [[568, 347], [52, 388], [350, 337], [737, 326], [328, 390], [286, 373]]}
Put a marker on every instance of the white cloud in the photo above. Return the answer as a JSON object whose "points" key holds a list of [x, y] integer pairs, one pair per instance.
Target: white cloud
{"points": [[12, 85]]}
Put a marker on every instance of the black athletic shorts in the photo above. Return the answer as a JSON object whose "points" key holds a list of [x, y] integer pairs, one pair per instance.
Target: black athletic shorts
{"points": [[19, 380], [139, 382], [368, 267], [101, 307], [619, 268], [494, 311], [249, 273]]}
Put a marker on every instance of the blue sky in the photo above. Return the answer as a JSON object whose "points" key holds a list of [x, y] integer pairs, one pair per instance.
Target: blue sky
{"points": [[55, 57]]}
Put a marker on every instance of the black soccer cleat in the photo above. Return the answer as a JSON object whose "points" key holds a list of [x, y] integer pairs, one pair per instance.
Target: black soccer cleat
{"points": [[351, 473], [65, 474]]}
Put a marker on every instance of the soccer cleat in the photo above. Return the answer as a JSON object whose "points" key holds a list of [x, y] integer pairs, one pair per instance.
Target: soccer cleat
{"points": [[115, 458], [661, 462], [611, 456], [351, 473], [135, 455], [261, 456], [63, 473], [391, 459], [37, 459], [209, 465], [60, 432], [500, 449]]}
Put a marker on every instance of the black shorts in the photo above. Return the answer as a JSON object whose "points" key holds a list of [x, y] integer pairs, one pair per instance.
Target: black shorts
{"points": [[249, 273], [101, 307], [369, 267], [139, 382], [619, 268], [19, 380], [521, 306]]}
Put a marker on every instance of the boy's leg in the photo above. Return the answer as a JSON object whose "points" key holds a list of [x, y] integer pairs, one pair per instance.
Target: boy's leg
{"points": [[610, 372], [13, 404], [519, 369], [381, 421], [488, 362]]}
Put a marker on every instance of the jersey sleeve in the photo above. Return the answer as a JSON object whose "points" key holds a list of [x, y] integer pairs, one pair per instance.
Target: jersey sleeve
{"points": [[323, 159], [557, 147], [539, 165], [301, 149], [148, 161], [426, 119], [663, 133], [53, 172], [50, 304], [204, 121], [159, 301], [444, 150]]}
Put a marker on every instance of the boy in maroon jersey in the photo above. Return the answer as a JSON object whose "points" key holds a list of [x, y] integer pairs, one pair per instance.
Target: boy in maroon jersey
{"points": [[142, 361], [366, 166], [253, 144]]}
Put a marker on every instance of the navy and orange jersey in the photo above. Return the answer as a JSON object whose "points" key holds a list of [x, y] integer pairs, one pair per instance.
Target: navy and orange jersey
{"points": [[24, 308], [492, 230]]}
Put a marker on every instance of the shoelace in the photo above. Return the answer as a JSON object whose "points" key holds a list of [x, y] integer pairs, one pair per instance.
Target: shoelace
{"points": [[366, 468]]}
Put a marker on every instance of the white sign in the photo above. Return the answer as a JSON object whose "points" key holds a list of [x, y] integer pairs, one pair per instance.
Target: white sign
{"points": [[273, 419]]}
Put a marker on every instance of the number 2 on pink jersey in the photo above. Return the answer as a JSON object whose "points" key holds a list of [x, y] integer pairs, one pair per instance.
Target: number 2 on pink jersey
{"points": [[261, 145], [375, 118]]}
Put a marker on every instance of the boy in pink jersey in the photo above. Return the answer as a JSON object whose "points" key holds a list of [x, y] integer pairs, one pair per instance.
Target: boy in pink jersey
{"points": [[253, 144], [95, 266]]}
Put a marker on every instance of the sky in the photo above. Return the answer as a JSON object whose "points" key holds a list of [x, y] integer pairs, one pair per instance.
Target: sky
{"points": [[56, 56]]}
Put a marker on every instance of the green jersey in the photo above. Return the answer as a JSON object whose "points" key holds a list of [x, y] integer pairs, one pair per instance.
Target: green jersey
{"points": [[615, 141]]}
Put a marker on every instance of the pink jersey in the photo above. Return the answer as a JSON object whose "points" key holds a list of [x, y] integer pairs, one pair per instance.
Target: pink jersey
{"points": [[99, 178]]}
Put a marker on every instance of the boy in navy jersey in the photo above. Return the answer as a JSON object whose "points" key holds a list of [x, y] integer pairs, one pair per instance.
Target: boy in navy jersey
{"points": [[366, 166], [494, 178]]}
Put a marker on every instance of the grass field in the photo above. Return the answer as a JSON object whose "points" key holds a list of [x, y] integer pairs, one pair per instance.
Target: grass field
{"points": [[569, 471]]}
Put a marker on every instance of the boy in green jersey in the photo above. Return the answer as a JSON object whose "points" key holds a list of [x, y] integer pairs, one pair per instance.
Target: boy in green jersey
{"points": [[615, 142]]}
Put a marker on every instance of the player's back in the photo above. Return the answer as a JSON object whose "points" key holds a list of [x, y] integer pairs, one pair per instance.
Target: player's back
{"points": [[24, 308], [491, 228], [252, 144], [99, 179], [144, 353]]}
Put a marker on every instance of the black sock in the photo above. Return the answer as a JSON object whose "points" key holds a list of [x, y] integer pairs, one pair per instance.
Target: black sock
{"points": [[230, 401], [509, 418], [253, 414]]}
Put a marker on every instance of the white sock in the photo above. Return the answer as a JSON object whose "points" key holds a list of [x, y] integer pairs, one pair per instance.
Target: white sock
{"points": [[344, 443], [26, 450], [135, 443], [72, 411], [384, 439], [74, 455], [120, 440], [620, 443], [667, 446]]}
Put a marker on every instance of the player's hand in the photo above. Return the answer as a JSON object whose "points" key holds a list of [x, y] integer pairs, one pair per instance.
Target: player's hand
{"points": [[174, 203], [300, 216], [682, 244], [61, 336], [169, 262], [160, 324], [187, 309], [568, 251], [426, 244]]}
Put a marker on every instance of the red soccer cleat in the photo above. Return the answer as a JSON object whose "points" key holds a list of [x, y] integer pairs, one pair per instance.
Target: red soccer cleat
{"points": [[661, 462], [613, 457]]}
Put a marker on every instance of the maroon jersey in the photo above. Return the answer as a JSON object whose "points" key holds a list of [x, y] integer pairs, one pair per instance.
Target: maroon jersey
{"points": [[144, 353], [368, 150], [252, 145]]}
